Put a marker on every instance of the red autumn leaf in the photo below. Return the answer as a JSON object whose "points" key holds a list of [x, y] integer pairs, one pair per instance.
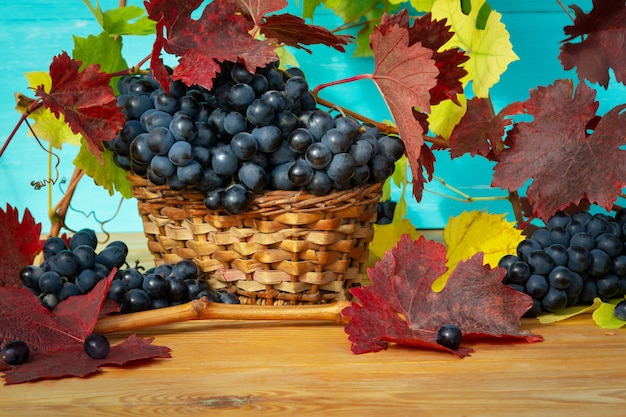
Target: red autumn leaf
{"points": [[86, 100], [72, 360], [256, 9], [603, 44], [433, 35], [20, 244], [56, 338], [220, 34], [294, 31], [554, 150], [404, 74], [401, 307], [23, 317], [480, 132]]}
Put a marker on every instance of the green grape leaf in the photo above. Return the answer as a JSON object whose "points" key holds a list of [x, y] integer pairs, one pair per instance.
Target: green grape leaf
{"points": [[104, 50], [107, 174], [47, 126], [127, 20], [568, 312], [490, 50], [477, 231], [604, 317]]}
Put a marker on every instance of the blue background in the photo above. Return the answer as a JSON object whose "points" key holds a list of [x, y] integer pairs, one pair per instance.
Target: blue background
{"points": [[31, 33]]}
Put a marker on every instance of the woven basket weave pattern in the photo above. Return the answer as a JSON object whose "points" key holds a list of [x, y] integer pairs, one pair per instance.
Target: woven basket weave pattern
{"points": [[287, 248]]}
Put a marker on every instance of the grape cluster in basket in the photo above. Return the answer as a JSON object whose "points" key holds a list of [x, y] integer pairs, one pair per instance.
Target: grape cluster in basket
{"points": [[571, 261], [75, 267], [250, 133]]}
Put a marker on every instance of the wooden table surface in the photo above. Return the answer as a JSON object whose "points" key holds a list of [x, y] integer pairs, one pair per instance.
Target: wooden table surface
{"points": [[293, 368]]}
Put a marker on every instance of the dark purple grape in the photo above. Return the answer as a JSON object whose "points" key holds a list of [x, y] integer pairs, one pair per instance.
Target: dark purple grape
{"points": [[296, 87], [275, 100], [391, 147], [341, 168], [362, 152], [252, 176], [599, 263], [560, 277], [30, 276], [190, 174], [85, 257], [610, 244], [320, 184], [131, 278], [111, 257], [234, 123], [540, 262], [519, 272], [318, 155], [69, 289], [136, 105], [86, 280], [96, 346], [300, 173], [381, 168], [160, 140], [559, 219], [236, 199], [318, 123], [213, 199], [50, 282], [268, 138], [300, 140], [554, 300], [228, 298], [620, 310], [578, 258], [52, 246], [224, 161], [243, 145], [84, 237], [162, 166], [348, 125], [259, 113], [64, 263], [608, 286], [449, 336], [140, 152], [240, 74], [154, 285], [15, 352], [135, 300], [526, 246], [536, 286], [559, 236]]}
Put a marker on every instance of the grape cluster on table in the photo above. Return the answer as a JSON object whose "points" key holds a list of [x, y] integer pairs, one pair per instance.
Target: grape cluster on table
{"points": [[571, 261], [250, 133], [75, 269]]}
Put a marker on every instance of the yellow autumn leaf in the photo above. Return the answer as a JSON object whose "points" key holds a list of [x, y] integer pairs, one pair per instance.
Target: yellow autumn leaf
{"points": [[419, 5], [47, 126], [446, 115], [477, 231], [489, 49]]}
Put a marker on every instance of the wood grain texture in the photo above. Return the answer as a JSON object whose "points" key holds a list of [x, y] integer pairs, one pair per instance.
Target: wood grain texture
{"points": [[306, 368]]}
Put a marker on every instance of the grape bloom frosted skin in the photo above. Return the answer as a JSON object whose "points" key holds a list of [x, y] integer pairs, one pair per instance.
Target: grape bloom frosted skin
{"points": [[15, 352], [248, 134]]}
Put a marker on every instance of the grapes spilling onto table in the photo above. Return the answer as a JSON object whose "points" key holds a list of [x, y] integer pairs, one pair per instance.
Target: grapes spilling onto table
{"points": [[250, 133], [75, 268], [571, 261]]}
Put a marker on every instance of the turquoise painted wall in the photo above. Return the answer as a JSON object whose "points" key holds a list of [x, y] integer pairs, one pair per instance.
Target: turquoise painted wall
{"points": [[32, 33]]}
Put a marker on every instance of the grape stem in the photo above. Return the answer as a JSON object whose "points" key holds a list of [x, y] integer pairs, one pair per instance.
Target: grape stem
{"points": [[35, 105], [204, 310]]}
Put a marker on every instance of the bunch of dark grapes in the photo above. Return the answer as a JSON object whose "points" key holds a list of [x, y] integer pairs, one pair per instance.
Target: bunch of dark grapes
{"points": [[385, 210], [71, 269], [163, 286], [250, 133], [75, 269], [571, 261]]}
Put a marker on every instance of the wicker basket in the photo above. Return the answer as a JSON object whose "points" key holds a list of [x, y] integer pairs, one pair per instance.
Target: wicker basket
{"points": [[289, 247]]}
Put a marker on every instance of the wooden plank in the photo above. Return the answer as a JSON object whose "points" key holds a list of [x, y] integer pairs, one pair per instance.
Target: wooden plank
{"points": [[306, 368]]}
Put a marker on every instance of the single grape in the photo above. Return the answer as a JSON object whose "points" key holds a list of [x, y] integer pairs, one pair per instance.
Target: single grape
{"points": [[64, 263], [574, 289], [206, 135], [243, 145], [318, 155], [536, 286], [596, 225], [240, 96], [391, 147], [130, 278], [52, 246], [252, 176], [320, 184], [176, 289], [336, 140], [193, 288], [347, 125], [589, 292], [136, 105], [554, 300], [610, 244], [286, 121], [68, 289], [559, 219], [559, 236], [259, 84], [96, 346], [300, 173], [449, 336], [86, 280], [236, 199], [224, 161], [620, 310], [558, 253], [282, 155], [185, 269], [156, 119], [240, 74], [162, 166], [560, 277], [300, 140], [213, 198], [190, 174], [526, 246], [160, 140], [188, 105], [318, 123], [228, 298], [519, 272], [275, 100], [608, 286], [540, 262], [542, 236], [361, 175], [30, 276], [618, 265], [578, 258], [259, 113], [84, 237], [135, 300], [50, 282], [234, 123], [140, 152], [599, 263], [183, 128], [268, 138], [112, 256], [362, 152], [15, 352], [165, 102], [341, 168], [296, 87], [154, 285], [574, 226], [85, 257], [583, 239]]}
